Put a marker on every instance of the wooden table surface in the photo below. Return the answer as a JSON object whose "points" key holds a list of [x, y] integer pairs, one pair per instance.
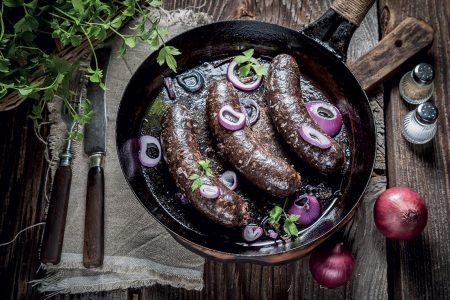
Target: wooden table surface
{"points": [[415, 269]]}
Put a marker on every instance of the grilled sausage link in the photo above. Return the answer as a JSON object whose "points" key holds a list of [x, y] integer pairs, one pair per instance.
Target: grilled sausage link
{"points": [[288, 112], [244, 151], [182, 155]]}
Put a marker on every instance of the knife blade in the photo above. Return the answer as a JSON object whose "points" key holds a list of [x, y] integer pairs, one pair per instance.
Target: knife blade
{"points": [[95, 148], [52, 241]]}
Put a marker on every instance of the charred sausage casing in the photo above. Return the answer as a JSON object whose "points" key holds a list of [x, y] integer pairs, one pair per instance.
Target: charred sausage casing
{"points": [[268, 172], [182, 155], [284, 98]]}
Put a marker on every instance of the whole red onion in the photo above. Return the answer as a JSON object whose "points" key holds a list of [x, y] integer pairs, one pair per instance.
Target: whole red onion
{"points": [[400, 213], [332, 268]]}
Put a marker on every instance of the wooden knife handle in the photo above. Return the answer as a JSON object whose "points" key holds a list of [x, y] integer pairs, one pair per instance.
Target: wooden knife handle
{"points": [[94, 219], [406, 40], [56, 216]]}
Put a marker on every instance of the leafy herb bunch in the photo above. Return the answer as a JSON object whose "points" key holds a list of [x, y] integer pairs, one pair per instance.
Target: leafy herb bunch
{"points": [[27, 47]]}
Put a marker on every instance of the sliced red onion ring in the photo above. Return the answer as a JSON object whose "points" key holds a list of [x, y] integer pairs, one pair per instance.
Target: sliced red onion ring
{"points": [[231, 119], [229, 178], [272, 233], [307, 207], [209, 191], [250, 109], [168, 83], [145, 142], [234, 79], [252, 232], [313, 136], [326, 115]]}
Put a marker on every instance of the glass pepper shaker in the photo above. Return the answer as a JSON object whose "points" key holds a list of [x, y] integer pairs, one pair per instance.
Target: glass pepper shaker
{"points": [[416, 86], [419, 125]]}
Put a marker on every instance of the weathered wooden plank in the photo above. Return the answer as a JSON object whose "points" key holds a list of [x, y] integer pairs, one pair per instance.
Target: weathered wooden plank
{"points": [[420, 268]]}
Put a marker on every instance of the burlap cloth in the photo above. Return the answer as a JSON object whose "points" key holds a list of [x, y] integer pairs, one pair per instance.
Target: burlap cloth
{"points": [[138, 250]]}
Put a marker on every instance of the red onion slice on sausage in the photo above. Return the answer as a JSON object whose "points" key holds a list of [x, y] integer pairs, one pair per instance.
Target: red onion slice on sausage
{"points": [[326, 115], [313, 136], [231, 119], [145, 142], [209, 191]]}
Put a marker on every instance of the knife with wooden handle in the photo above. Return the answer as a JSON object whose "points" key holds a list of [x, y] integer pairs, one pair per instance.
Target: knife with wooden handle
{"points": [[95, 148], [52, 242]]}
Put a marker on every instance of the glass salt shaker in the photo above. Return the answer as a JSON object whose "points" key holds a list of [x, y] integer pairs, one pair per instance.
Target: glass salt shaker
{"points": [[419, 125], [416, 86]]}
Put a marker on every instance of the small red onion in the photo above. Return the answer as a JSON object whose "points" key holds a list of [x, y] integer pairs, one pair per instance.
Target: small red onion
{"points": [[400, 213], [144, 142], [234, 79], [313, 136], [250, 105], [231, 119], [168, 83], [229, 178], [326, 116], [273, 234], [307, 207], [333, 268], [209, 191], [252, 232]]}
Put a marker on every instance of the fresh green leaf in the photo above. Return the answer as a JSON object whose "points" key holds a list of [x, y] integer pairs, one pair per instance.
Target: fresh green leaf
{"points": [[12, 3], [78, 5], [31, 5], [290, 228], [27, 23], [155, 3], [244, 70], [94, 75], [24, 91], [196, 183], [122, 50], [194, 176], [293, 218], [260, 70], [117, 22], [130, 41], [240, 59], [248, 53], [275, 214], [75, 40], [166, 55], [75, 135]]}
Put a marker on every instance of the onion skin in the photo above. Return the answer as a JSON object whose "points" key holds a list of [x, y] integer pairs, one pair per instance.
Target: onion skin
{"points": [[400, 213], [332, 268], [252, 232], [308, 210]]}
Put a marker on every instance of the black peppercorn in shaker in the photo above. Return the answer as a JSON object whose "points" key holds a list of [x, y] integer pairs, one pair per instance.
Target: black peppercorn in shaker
{"points": [[416, 86]]}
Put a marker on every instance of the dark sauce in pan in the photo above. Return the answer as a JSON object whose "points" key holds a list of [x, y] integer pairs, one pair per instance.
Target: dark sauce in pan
{"points": [[326, 188]]}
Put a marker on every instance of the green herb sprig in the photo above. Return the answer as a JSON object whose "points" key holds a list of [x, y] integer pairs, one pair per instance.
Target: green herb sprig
{"points": [[278, 213], [246, 65], [198, 178], [27, 28]]}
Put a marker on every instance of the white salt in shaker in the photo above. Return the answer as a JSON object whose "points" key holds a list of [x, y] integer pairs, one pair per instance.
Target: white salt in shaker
{"points": [[416, 86], [419, 125]]}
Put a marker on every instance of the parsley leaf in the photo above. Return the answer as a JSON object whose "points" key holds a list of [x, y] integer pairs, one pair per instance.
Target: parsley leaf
{"points": [[246, 65], [289, 227], [166, 55], [196, 183]]}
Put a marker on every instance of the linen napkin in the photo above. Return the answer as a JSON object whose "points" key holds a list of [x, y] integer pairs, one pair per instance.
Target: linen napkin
{"points": [[138, 250]]}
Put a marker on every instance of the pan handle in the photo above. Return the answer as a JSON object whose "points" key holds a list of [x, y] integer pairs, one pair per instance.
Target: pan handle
{"points": [[335, 28]]}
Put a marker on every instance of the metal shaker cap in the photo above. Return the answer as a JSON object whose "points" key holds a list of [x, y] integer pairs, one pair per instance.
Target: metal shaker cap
{"points": [[427, 113], [423, 73]]}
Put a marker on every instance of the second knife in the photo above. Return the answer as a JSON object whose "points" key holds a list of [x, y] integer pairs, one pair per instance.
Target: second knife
{"points": [[95, 148]]}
